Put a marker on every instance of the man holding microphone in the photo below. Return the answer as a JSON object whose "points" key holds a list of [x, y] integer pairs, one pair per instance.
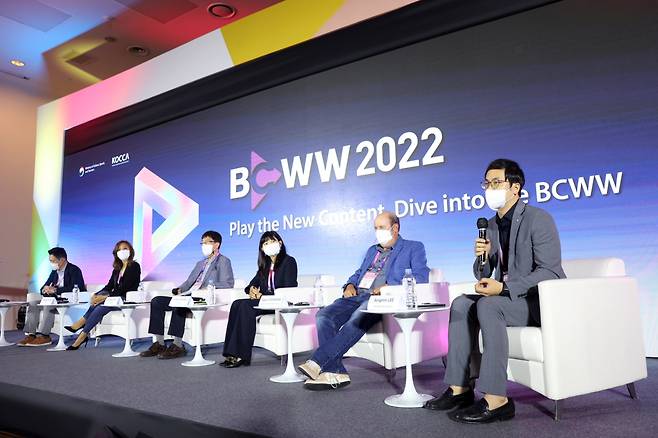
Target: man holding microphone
{"points": [[522, 248]]}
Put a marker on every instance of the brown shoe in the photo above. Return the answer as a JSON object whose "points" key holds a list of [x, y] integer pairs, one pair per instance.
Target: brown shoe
{"points": [[155, 349], [172, 352], [40, 341], [26, 340]]}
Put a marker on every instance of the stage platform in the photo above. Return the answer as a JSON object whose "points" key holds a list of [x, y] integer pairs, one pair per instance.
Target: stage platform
{"points": [[88, 393]]}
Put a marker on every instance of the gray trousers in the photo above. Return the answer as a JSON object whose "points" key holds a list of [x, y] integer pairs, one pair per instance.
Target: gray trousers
{"points": [[32, 316], [491, 315]]}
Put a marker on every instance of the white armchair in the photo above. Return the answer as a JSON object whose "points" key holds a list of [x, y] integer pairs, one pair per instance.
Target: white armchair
{"points": [[270, 329], [75, 312], [114, 323], [384, 342], [590, 337], [214, 321]]}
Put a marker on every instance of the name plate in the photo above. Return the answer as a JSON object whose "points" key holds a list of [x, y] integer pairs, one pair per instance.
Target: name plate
{"points": [[48, 301], [200, 293], [273, 302], [113, 302], [181, 301], [388, 303], [136, 297]]}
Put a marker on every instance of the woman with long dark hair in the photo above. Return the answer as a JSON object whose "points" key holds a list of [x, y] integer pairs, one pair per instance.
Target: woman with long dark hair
{"points": [[276, 269], [125, 277]]}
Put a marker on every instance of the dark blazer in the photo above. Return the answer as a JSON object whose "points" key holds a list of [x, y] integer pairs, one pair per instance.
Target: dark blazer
{"points": [[284, 276], [129, 281], [534, 251], [72, 276], [404, 255]]}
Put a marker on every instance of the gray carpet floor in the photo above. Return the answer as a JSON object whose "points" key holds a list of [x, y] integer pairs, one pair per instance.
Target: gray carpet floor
{"points": [[244, 399]]}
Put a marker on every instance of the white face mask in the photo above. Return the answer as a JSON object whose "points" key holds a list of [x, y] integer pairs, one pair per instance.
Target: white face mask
{"points": [[123, 254], [272, 249], [496, 199], [55, 266], [207, 249], [383, 236]]}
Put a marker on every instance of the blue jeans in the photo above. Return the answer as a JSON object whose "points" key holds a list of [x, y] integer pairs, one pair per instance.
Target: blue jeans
{"points": [[340, 325], [94, 315]]}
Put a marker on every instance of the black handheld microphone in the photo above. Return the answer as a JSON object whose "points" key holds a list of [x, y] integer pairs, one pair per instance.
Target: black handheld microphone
{"points": [[482, 225]]}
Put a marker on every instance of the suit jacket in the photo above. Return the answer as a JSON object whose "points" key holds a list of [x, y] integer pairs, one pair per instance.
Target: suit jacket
{"points": [[72, 276], [129, 281], [405, 254], [219, 271], [534, 251], [284, 276]]}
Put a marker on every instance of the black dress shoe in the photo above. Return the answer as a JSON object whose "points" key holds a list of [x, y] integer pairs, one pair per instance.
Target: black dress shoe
{"points": [[448, 401], [480, 413], [236, 362]]}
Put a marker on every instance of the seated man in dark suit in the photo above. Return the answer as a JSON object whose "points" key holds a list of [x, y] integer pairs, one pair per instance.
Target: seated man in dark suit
{"points": [[63, 278], [215, 268], [340, 325]]}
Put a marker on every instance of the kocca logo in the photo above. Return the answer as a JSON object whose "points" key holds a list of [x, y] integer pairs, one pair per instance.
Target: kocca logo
{"points": [[120, 159], [240, 185], [82, 172]]}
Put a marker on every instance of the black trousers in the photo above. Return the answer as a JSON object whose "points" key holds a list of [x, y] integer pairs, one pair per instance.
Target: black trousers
{"points": [[160, 305], [241, 328]]}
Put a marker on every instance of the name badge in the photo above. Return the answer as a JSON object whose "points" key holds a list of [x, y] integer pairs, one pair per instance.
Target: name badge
{"points": [[273, 302], [181, 301], [384, 303], [48, 301], [368, 280], [113, 302]]}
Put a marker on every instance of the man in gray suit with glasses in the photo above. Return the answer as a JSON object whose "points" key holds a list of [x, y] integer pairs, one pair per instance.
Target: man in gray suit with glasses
{"points": [[214, 268], [522, 249]]}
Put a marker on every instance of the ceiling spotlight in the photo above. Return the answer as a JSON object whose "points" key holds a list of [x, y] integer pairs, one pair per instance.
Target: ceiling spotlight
{"points": [[138, 51], [17, 63], [222, 10]]}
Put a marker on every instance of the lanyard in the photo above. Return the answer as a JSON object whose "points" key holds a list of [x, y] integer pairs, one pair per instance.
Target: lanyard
{"points": [[270, 278], [383, 262]]}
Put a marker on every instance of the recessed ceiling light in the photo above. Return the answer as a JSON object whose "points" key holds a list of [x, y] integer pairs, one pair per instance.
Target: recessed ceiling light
{"points": [[17, 63], [222, 10], [138, 51]]}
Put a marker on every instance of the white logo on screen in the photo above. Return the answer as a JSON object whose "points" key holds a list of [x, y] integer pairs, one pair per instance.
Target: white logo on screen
{"points": [[82, 172], [120, 159]]}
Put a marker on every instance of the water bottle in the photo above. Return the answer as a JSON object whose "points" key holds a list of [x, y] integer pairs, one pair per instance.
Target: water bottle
{"points": [[409, 284], [211, 292], [76, 294], [319, 298]]}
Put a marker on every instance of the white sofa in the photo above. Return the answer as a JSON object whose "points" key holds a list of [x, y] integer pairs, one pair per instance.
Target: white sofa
{"points": [[270, 329], [384, 342], [590, 337], [73, 313], [114, 323]]}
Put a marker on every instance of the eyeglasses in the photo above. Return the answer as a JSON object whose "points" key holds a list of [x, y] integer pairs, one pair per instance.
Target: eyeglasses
{"points": [[494, 184], [210, 242]]}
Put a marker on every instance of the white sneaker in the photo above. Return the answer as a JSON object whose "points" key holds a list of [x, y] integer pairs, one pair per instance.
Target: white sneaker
{"points": [[328, 381], [310, 369]]}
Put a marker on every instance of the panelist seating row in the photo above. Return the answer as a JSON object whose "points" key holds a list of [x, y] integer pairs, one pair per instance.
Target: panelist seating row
{"points": [[270, 329], [383, 344]]}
